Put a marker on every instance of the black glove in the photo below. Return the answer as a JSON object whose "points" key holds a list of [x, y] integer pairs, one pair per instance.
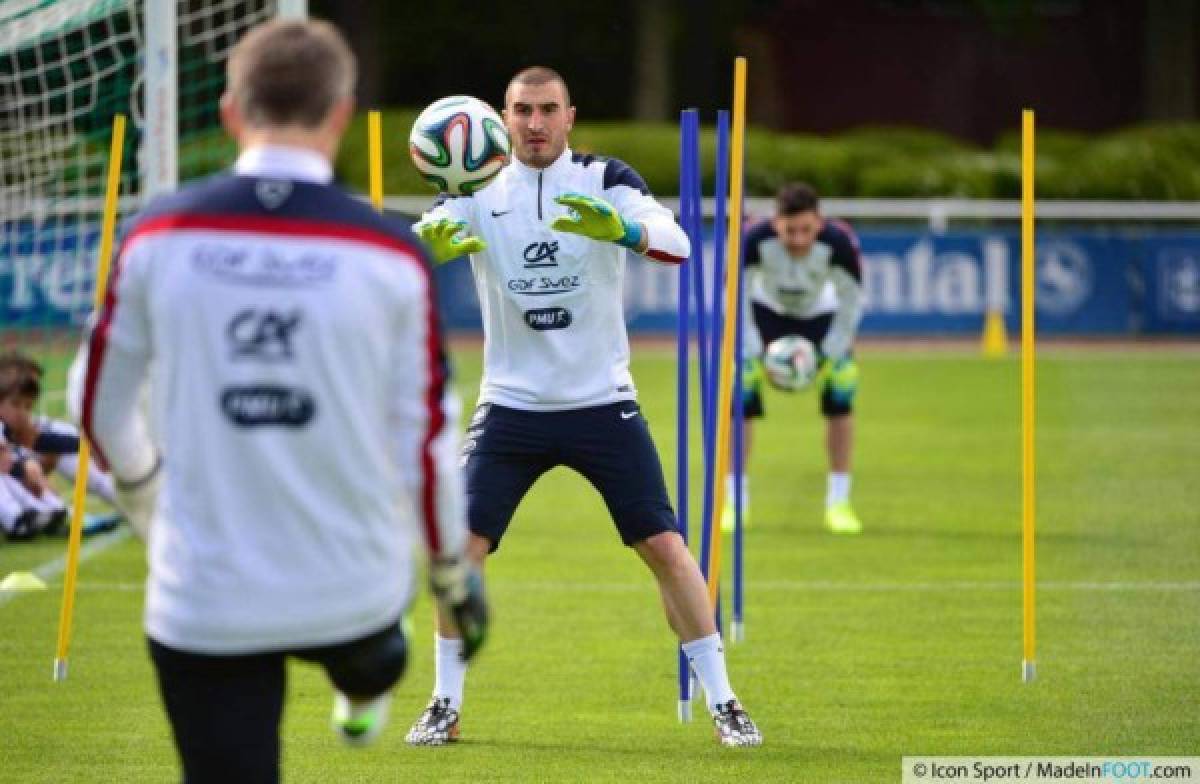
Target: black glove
{"points": [[458, 588]]}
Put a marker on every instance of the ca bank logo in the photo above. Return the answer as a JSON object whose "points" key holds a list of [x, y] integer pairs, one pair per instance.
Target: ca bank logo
{"points": [[1064, 277], [541, 254]]}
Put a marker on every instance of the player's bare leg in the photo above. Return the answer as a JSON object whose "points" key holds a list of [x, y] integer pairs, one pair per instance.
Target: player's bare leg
{"points": [[685, 598], [438, 723], [839, 444], [684, 593]]}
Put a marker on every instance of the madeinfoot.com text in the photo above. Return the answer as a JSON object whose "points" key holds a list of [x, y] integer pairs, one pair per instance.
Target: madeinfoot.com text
{"points": [[1095, 770]]}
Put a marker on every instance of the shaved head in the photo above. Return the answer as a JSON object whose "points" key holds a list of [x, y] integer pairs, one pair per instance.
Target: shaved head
{"points": [[536, 76]]}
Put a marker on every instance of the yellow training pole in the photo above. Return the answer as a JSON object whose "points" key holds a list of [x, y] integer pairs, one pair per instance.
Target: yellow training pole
{"points": [[1028, 465], [733, 273], [375, 157], [107, 230]]}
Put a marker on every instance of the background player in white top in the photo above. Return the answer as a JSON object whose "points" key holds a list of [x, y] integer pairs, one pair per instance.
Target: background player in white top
{"points": [[804, 277], [305, 428], [548, 241]]}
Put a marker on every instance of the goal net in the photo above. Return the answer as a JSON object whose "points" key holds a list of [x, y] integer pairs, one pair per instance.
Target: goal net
{"points": [[66, 67]]}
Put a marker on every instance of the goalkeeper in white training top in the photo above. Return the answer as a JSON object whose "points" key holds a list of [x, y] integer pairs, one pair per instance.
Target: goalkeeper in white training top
{"points": [[804, 277], [548, 241]]}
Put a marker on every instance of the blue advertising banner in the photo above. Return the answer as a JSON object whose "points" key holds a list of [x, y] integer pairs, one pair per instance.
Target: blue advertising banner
{"points": [[922, 284], [47, 271], [1103, 282], [1089, 282]]}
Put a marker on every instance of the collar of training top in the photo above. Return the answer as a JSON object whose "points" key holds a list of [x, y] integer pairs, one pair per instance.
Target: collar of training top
{"points": [[560, 163], [285, 163]]}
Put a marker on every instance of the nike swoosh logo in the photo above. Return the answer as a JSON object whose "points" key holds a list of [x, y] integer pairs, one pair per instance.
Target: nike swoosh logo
{"points": [[496, 214], [628, 414]]}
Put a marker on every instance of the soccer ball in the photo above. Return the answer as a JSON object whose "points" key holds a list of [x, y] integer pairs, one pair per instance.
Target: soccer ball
{"points": [[459, 144], [791, 363]]}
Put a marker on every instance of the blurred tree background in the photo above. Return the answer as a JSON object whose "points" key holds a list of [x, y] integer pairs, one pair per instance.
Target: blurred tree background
{"points": [[866, 98], [963, 67]]}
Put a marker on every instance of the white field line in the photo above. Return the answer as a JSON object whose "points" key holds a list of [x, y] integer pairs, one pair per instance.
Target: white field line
{"points": [[51, 569], [973, 585], [801, 586], [798, 586]]}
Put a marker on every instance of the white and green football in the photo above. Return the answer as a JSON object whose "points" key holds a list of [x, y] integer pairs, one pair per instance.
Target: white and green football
{"points": [[790, 363], [459, 144]]}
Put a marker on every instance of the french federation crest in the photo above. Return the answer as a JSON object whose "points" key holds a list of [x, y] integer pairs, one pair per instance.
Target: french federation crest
{"points": [[272, 193]]}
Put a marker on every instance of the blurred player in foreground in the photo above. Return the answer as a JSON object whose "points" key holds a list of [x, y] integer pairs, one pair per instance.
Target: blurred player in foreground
{"points": [[804, 277], [298, 382], [548, 241]]}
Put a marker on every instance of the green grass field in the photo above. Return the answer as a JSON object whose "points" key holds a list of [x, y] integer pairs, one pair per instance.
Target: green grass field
{"points": [[906, 640]]}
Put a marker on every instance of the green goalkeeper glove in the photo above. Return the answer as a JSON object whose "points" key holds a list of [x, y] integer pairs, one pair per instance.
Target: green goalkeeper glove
{"points": [[441, 236], [842, 377], [458, 588], [753, 374], [596, 219]]}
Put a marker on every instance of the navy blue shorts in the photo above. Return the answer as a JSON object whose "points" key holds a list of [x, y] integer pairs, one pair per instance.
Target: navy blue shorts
{"points": [[507, 449], [772, 325]]}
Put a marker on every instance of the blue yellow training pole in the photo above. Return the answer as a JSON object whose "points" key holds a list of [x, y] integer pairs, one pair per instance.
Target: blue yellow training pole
{"points": [[375, 157], [733, 270], [108, 229], [1028, 407]]}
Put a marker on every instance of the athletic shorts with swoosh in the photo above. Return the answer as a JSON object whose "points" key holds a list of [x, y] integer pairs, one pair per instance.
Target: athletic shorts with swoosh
{"points": [[505, 450]]}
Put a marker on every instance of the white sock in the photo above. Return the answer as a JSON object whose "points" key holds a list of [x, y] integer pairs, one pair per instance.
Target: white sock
{"points": [[450, 668], [707, 657], [731, 485], [839, 488]]}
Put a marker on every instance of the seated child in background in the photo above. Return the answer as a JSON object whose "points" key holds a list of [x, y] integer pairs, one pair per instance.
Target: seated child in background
{"points": [[35, 445], [27, 506], [55, 442]]}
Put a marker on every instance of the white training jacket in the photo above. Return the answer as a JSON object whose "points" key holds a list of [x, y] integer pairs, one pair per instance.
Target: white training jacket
{"points": [[553, 318], [828, 279], [298, 388]]}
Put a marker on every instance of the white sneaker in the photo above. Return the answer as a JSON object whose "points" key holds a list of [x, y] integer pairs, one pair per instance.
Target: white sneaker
{"points": [[359, 722]]}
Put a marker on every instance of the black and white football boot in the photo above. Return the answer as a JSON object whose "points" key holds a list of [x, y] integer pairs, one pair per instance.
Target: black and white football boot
{"points": [[734, 726], [437, 726]]}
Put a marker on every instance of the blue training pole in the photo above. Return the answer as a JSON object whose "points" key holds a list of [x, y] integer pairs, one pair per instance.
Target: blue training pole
{"points": [[688, 124], [704, 348], [737, 628], [696, 235], [695, 229], [739, 471], [703, 352], [714, 346], [720, 229]]}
